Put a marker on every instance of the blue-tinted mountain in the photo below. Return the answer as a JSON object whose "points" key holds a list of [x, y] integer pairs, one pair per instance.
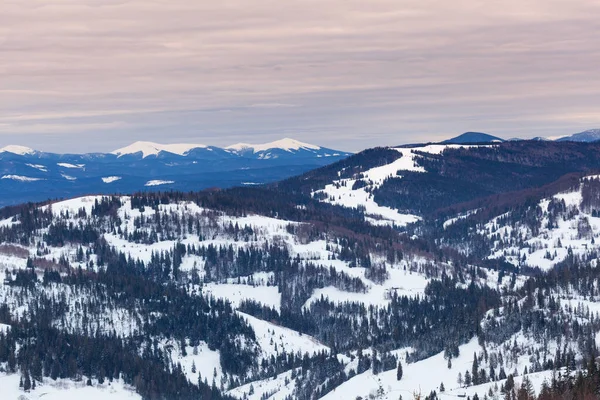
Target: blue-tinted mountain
{"points": [[474, 137], [30, 175], [591, 135]]}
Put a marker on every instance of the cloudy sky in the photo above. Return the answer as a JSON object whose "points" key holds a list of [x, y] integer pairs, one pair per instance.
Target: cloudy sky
{"points": [[83, 75]]}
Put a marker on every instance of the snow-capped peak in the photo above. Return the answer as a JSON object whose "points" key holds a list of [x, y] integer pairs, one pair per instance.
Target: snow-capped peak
{"points": [[591, 135], [286, 144], [20, 150], [150, 148]]}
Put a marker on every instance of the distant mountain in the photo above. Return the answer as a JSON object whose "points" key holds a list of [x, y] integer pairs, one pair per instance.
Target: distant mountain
{"points": [[153, 149], [281, 148], [30, 175], [591, 135], [473, 137]]}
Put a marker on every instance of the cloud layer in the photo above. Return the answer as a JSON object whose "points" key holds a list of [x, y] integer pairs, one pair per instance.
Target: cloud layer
{"points": [[83, 75]]}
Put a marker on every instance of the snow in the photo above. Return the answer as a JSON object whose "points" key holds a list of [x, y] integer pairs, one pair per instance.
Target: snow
{"points": [[422, 377], [341, 192], [235, 293], [72, 166], [38, 166], [550, 245], [376, 214], [158, 182], [537, 379], [206, 362], [152, 149], [274, 339], [110, 179], [63, 389], [286, 144], [72, 206], [454, 220], [403, 283], [15, 149], [21, 178], [278, 388]]}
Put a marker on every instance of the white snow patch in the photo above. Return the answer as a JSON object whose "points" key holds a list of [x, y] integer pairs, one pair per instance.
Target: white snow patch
{"points": [[72, 166], [38, 166], [158, 182], [110, 179], [72, 206], [235, 293], [274, 339], [21, 178], [64, 389]]}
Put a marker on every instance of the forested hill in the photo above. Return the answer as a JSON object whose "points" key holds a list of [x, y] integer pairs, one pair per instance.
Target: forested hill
{"points": [[423, 179]]}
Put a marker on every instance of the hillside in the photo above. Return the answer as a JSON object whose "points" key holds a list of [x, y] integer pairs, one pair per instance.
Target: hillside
{"points": [[281, 292], [393, 184]]}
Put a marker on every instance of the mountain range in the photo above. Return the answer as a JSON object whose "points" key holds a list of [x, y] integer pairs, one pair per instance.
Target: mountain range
{"points": [[588, 136], [30, 175]]}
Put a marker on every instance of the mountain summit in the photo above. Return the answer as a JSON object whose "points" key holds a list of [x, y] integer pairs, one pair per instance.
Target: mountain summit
{"points": [[591, 135], [150, 148], [474, 137], [286, 144]]}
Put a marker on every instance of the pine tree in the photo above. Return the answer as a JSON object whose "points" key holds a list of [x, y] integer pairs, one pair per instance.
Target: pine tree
{"points": [[399, 371], [27, 382], [475, 370]]}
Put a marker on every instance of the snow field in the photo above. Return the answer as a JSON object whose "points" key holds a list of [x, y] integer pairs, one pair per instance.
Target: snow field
{"points": [[64, 389]]}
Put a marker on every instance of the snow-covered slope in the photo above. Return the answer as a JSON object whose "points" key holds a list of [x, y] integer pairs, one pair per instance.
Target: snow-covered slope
{"points": [[294, 284], [153, 149], [357, 192], [564, 224], [591, 135], [286, 144], [282, 149], [15, 149], [64, 389]]}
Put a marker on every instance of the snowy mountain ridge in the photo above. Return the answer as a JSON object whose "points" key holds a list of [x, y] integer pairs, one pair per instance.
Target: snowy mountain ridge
{"points": [[153, 149], [15, 149], [286, 144], [36, 176]]}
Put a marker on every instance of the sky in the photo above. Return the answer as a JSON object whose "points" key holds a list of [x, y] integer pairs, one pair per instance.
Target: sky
{"points": [[95, 75]]}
